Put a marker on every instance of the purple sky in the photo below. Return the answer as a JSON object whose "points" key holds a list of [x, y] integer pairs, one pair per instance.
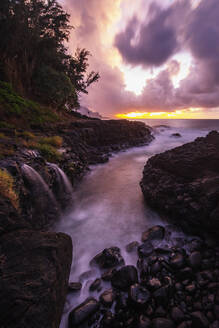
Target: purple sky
{"points": [[153, 56]]}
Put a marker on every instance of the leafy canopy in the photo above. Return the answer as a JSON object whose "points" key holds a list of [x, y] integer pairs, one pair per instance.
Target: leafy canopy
{"points": [[33, 53]]}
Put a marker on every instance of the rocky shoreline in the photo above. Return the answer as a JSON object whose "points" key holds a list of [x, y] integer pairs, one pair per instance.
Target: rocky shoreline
{"points": [[35, 264], [174, 285], [182, 184]]}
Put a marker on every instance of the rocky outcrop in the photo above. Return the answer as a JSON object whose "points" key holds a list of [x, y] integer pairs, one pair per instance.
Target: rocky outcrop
{"points": [[35, 265], [175, 285], [183, 184], [34, 268]]}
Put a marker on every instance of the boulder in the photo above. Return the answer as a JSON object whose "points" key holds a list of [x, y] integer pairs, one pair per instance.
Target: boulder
{"points": [[125, 277], [34, 268], [155, 233], [162, 322], [139, 295], [108, 258], [107, 297], [83, 312], [199, 320], [183, 184]]}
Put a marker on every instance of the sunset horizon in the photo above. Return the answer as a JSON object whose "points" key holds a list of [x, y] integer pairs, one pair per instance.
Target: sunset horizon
{"points": [[154, 56]]}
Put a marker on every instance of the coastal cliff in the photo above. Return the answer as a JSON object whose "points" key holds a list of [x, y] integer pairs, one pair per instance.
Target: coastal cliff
{"points": [[36, 263], [182, 184]]}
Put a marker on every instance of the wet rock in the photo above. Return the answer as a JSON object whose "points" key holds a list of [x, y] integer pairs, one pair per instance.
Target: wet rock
{"points": [[145, 249], [96, 285], [144, 322], [107, 320], [74, 286], [107, 275], [132, 247], [155, 233], [154, 283], [83, 312], [125, 277], [215, 324], [35, 269], [162, 322], [191, 288], [107, 297], [161, 295], [160, 311], [185, 273], [187, 192], [177, 315], [195, 260], [177, 261], [139, 295], [176, 135], [108, 258], [199, 320]]}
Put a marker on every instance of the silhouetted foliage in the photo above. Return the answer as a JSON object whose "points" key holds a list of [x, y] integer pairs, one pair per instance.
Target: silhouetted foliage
{"points": [[33, 56]]}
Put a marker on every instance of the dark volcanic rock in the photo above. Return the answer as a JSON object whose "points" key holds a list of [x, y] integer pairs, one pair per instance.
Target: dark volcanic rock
{"points": [[125, 277], [154, 233], [83, 312], [74, 286], [107, 297], [34, 270], [163, 322], [108, 258], [139, 295], [199, 320], [176, 135], [183, 184]]}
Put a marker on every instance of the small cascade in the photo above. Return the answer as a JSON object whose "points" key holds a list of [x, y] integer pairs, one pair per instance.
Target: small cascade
{"points": [[41, 200], [62, 187]]}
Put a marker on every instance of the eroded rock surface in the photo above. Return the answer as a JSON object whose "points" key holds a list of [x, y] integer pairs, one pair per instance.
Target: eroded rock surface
{"points": [[183, 184], [34, 268]]}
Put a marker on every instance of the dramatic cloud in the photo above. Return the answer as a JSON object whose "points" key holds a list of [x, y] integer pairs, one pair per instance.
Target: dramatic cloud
{"points": [[149, 34], [155, 40]]}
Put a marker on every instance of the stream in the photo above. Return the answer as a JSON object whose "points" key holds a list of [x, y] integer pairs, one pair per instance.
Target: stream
{"points": [[109, 209]]}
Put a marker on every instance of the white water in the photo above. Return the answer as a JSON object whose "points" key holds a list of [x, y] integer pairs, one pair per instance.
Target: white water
{"points": [[63, 187], [37, 184], [109, 209]]}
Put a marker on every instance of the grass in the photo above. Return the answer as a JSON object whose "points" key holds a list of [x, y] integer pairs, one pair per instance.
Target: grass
{"points": [[17, 108], [27, 135], [54, 141], [7, 188]]}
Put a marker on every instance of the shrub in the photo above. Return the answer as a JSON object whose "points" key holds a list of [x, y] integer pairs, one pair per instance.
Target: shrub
{"points": [[49, 152], [7, 188], [55, 141], [27, 135]]}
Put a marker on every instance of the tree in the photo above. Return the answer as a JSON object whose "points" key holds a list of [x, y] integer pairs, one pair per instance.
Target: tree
{"points": [[33, 56]]}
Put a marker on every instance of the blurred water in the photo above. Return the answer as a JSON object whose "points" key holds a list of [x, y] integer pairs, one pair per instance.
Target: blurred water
{"points": [[109, 209]]}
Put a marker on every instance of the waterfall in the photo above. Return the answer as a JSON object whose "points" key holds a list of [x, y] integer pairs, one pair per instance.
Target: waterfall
{"points": [[41, 199], [62, 187]]}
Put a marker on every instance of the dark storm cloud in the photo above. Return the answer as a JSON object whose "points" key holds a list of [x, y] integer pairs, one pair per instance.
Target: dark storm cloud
{"points": [[151, 42], [157, 39]]}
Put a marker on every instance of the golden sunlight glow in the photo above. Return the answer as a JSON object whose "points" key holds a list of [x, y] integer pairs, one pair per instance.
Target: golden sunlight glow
{"points": [[190, 113], [135, 78], [145, 115]]}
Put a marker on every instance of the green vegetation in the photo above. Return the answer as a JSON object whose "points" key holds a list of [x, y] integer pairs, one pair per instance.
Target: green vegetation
{"points": [[47, 147], [7, 188], [55, 141], [34, 57], [13, 106], [49, 152]]}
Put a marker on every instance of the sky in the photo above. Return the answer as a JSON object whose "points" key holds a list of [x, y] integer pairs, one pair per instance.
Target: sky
{"points": [[156, 58]]}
